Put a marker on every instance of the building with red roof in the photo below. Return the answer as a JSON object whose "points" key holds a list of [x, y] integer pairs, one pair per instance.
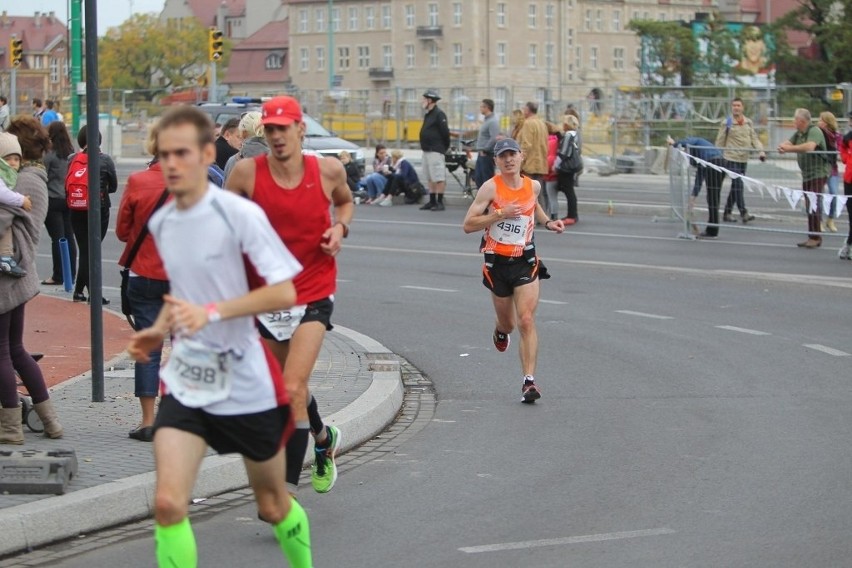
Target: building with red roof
{"points": [[43, 73]]}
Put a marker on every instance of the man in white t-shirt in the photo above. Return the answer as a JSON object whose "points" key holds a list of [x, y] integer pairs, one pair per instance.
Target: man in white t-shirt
{"points": [[221, 386]]}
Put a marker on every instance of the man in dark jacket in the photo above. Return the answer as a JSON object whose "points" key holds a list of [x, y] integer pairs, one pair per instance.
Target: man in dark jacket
{"points": [[229, 142], [434, 141]]}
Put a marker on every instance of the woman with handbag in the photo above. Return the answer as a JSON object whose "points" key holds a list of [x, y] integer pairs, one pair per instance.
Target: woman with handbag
{"points": [[144, 281]]}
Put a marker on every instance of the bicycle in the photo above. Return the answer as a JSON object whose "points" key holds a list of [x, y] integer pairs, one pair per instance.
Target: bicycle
{"points": [[29, 417], [461, 158]]}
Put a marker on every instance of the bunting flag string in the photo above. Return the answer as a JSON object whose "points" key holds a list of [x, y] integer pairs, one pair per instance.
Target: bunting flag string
{"points": [[794, 196]]}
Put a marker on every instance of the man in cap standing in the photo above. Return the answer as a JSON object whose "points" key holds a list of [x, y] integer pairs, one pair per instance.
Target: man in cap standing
{"points": [[507, 208], [434, 141]]}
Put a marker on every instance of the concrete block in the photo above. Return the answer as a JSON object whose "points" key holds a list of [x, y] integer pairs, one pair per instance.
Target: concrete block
{"points": [[36, 472]]}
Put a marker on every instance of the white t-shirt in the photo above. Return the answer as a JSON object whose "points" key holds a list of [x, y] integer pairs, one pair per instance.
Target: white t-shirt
{"points": [[202, 250]]}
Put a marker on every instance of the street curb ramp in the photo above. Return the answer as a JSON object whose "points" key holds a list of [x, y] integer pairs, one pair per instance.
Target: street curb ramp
{"points": [[39, 523]]}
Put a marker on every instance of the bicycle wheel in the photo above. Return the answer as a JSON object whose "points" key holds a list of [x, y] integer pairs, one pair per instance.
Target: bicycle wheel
{"points": [[30, 416]]}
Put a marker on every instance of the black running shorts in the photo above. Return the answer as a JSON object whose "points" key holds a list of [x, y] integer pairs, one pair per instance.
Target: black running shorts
{"points": [[257, 436], [320, 311], [507, 273]]}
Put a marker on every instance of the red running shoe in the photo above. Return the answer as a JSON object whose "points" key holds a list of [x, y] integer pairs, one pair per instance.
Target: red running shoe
{"points": [[501, 340], [530, 392]]}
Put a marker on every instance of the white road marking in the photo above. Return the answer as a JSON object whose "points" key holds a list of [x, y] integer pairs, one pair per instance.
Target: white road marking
{"points": [[643, 315], [426, 288], [803, 279], [828, 350], [565, 540], [742, 330], [556, 302]]}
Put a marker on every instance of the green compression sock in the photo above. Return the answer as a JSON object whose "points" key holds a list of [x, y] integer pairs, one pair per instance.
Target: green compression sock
{"points": [[176, 545], [294, 536]]}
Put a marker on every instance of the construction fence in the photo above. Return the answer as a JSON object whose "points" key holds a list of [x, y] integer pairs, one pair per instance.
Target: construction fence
{"points": [[616, 122], [772, 192]]}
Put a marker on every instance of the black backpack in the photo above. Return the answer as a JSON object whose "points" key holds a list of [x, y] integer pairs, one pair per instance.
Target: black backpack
{"points": [[572, 161]]}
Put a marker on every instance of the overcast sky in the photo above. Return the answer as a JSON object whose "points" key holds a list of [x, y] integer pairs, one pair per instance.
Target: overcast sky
{"points": [[111, 13]]}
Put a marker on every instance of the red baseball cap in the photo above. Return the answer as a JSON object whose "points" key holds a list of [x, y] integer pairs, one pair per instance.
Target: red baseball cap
{"points": [[281, 110]]}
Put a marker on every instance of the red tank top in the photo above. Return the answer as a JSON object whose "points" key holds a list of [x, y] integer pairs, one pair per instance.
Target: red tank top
{"points": [[300, 215]]}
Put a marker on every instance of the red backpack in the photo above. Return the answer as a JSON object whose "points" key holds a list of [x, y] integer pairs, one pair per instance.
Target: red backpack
{"points": [[77, 183]]}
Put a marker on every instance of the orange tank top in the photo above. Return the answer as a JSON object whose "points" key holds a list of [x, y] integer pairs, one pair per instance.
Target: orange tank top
{"points": [[508, 236]]}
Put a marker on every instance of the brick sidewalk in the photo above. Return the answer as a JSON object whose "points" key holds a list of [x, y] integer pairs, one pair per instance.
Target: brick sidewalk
{"points": [[60, 329]]}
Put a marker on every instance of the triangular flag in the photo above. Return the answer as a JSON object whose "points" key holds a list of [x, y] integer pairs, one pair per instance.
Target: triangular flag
{"points": [[840, 200], [811, 201], [793, 196], [827, 200]]}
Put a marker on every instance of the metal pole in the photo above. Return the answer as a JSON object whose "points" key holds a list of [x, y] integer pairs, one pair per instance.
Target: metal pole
{"points": [[13, 92], [109, 122], [76, 63], [94, 214], [213, 94], [398, 119]]}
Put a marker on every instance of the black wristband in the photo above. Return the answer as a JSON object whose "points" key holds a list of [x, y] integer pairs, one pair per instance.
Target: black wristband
{"points": [[345, 228]]}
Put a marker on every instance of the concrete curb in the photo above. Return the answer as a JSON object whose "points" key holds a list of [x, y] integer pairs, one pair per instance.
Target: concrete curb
{"points": [[131, 499]]}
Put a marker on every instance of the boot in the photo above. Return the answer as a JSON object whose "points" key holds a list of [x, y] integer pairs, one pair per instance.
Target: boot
{"points": [[831, 226], [45, 411], [11, 426], [746, 216]]}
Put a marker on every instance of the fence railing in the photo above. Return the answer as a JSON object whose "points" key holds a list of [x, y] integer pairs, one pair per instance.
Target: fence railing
{"points": [[772, 191]]}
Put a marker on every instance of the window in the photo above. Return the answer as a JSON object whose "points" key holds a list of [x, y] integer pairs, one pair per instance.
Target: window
{"points": [[386, 16], [335, 19], [618, 58], [457, 13], [548, 15], [433, 55], [370, 18], [343, 58], [304, 60], [501, 53], [593, 57], [531, 15], [433, 15], [616, 20], [409, 16], [500, 98], [275, 61], [387, 56], [457, 55], [303, 21], [532, 57], [320, 58], [587, 22], [599, 20], [319, 18], [457, 95], [639, 56], [501, 14], [548, 55], [353, 18], [54, 70], [578, 57], [569, 38], [363, 57], [409, 56], [661, 16]]}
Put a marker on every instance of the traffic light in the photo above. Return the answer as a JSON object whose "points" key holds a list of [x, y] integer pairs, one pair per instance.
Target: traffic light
{"points": [[16, 51], [214, 44]]}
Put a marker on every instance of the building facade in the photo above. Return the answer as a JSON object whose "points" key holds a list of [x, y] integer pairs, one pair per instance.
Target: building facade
{"points": [[43, 72], [548, 50]]}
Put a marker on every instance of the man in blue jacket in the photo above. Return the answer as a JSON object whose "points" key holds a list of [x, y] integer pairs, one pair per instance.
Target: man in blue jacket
{"points": [[705, 150]]}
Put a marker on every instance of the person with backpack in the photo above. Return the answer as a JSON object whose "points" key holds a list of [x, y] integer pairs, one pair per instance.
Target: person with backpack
{"points": [[568, 165], [735, 138], [58, 220], [79, 196], [806, 142], [828, 124]]}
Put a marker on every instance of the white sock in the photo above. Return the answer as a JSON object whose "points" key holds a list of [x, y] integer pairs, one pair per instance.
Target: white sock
{"points": [[529, 378]]}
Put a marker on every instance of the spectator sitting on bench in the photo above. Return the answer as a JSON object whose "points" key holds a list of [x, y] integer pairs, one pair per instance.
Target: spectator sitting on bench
{"points": [[403, 180]]}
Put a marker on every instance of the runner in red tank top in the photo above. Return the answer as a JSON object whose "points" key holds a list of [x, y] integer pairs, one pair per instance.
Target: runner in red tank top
{"points": [[295, 191], [506, 207]]}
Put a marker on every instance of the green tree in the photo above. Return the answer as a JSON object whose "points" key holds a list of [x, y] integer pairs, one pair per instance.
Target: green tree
{"points": [[721, 49], [829, 24], [668, 50], [146, 53]]}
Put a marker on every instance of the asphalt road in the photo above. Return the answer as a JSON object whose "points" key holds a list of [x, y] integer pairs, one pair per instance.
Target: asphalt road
{"points": [[695, 409]]}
